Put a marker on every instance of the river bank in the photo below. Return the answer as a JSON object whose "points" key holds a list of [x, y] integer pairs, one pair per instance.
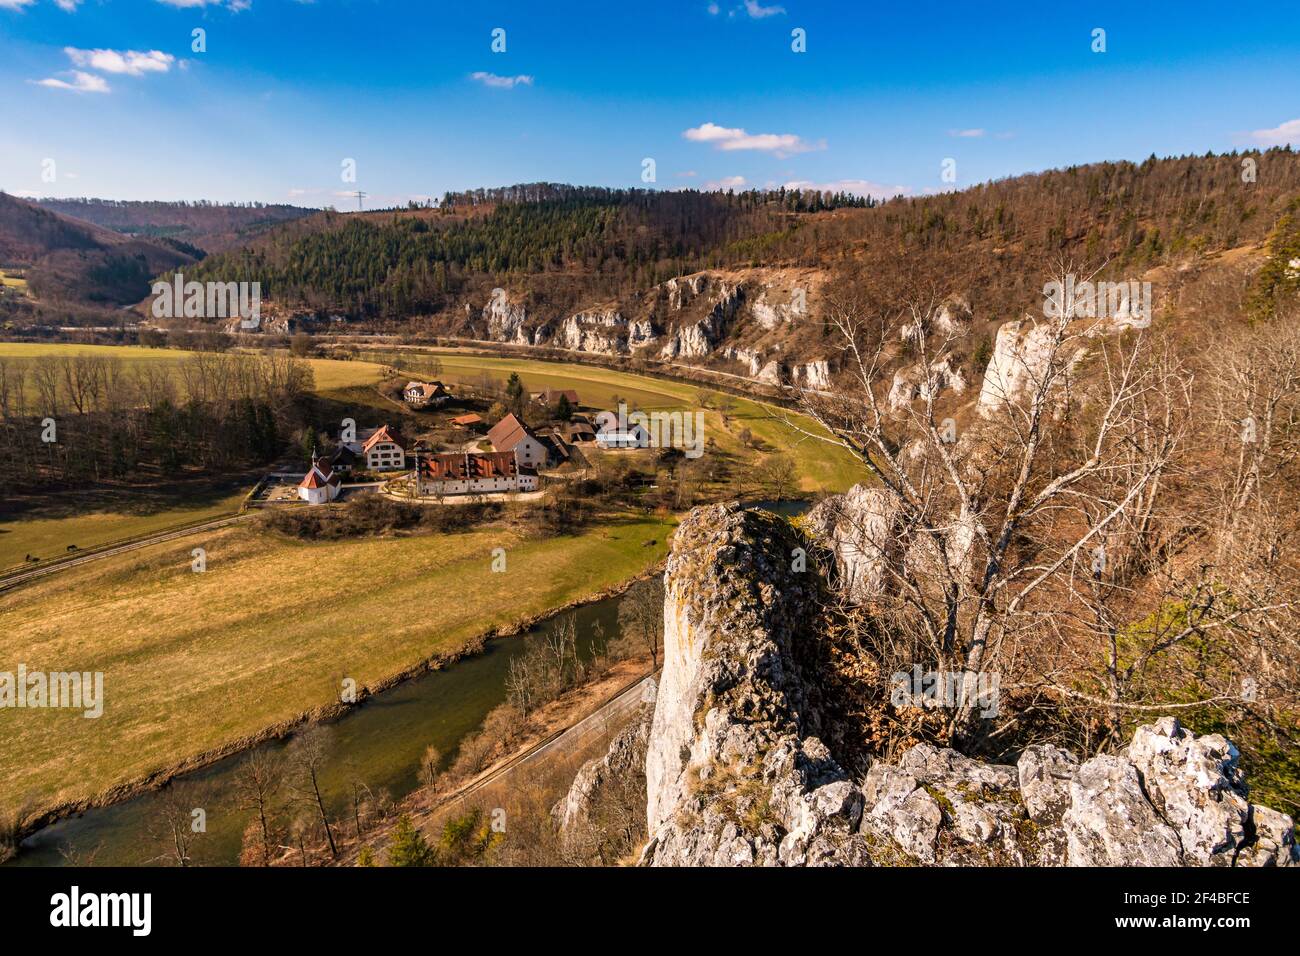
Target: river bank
{"points": [[444, 697]]}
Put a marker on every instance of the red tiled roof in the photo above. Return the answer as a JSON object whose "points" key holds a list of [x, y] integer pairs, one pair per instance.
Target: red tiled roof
{"points": [[460, 466], [466, 420], [427, 389], [508, 433], [319, 476], [552, 395], [382, 434]]}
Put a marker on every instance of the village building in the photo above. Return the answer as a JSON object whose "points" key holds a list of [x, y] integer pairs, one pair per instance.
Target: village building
{"points": [[343, 460], [558, 449], [425, 394], [473, 473], [633, 436], [380, 449], [579, 429], [513, 436], [551, 397], [470, 422], [320, 485]]}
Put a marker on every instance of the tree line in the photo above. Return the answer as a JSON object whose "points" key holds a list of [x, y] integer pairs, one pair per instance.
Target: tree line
{"points": [[77, 418]]}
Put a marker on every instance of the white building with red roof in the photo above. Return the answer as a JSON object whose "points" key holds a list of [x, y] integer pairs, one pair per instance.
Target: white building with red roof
{"points": [[381, 449], [513, 436], [472, 473], [320, 485]]}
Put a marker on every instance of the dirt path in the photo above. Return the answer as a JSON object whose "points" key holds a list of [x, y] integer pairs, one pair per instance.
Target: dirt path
{"points": [[22, 577], [568, 743]]}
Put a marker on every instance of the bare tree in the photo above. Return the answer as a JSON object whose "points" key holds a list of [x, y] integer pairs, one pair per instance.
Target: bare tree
{"points": [[257, 782], [982, 534], [641, 617], [179, 821], [308, 754]]}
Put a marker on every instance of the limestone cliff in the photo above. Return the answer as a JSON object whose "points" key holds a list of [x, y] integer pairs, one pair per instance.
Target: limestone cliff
{"points": [[738, 773], [738, 321]]}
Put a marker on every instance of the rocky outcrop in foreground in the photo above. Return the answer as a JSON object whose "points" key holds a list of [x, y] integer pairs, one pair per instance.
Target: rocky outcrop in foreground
{"points": [[736, 774]]}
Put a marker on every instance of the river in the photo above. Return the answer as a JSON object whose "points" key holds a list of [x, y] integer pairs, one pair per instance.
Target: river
{"points": [[379, 743]]}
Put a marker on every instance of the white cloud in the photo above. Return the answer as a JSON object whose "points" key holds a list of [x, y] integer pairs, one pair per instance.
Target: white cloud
{"points": [[858, 187], [68, 6], [757, 11], [713, 9], [967, 133], [724, 138], [1281, 135], [235, 5], [128, 62], [501, 82], [81, 83], [726, 182], [15, 4]]}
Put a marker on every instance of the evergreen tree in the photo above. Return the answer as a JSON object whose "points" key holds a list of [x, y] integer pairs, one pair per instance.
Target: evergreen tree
{"points": [[409, 847]]}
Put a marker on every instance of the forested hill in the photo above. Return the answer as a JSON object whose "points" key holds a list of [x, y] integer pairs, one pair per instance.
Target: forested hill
{"points": [[402, 262], [574, 246], [207, 225], [66, 260]]}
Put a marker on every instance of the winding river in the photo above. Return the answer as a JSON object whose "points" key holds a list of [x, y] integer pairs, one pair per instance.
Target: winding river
{"points": [[379, 743]]}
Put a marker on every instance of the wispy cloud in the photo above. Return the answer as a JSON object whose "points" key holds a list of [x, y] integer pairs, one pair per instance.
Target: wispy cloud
{"points": [[68, 6], [726, 182], [757, 11], [233, 5], [15, 4], [501, 82], [1281, 135], [128, 62], [858, 187], [725, 138], [80, 83], [750, 8], [975, 133]]}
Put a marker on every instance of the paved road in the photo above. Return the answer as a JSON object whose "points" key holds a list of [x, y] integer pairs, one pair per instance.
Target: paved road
{"points": [[24, 576]]}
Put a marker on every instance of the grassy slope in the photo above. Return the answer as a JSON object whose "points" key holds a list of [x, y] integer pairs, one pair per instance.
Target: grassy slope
{"points": [[91, 519], [821, 466], [193, 661]]}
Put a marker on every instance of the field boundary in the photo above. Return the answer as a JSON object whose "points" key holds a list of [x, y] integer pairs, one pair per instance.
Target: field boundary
{"points": [[17, 574]]}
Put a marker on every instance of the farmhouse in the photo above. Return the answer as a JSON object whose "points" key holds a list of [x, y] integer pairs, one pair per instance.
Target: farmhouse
{"points": [[470, 473], [512, 435], [633, 436], [551, 397], [425, 394], [380, 449], [470, 422], [579, 429], [320, 485], [343, 460]]}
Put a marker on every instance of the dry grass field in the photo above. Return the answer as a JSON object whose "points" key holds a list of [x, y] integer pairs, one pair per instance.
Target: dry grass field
{"points": [[193, 661]]}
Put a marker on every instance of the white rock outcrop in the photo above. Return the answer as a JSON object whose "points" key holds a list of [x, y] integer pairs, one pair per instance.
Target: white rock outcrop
{"points": [[737, 774], [912, 383], [1021, 355], [814, 375], [860, 528]]}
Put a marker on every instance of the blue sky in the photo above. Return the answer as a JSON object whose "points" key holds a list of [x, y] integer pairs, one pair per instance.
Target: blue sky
{"points": [[112, 92]]}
